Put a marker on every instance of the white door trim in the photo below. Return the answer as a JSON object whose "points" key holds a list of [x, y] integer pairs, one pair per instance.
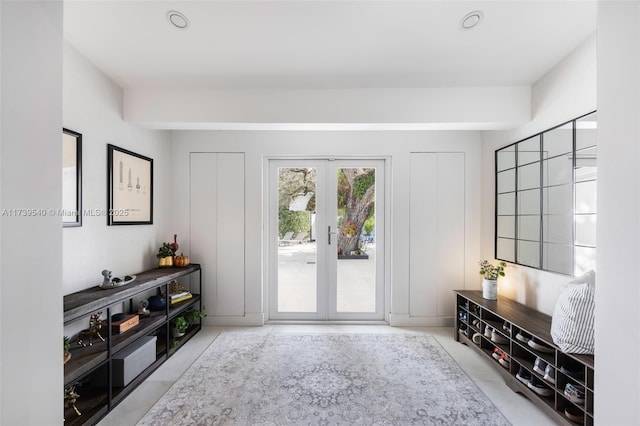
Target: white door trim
{"points": [[269, 231]]}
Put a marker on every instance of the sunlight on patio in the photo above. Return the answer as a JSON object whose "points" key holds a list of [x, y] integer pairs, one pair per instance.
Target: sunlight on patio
{"points": [[297, 280]]}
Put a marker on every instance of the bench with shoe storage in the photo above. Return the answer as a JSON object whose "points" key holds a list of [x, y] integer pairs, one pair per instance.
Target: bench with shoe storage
{"points": [[518, 340]]}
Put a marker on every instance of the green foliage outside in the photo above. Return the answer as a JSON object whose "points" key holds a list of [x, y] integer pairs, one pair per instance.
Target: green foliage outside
{"points": [[343, 190], [369, 224], [363, 182], [296, 182], [293, 221]]}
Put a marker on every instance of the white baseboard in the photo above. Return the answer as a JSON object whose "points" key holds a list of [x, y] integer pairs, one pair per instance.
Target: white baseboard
{"points": [[403, 320], [248, 320], [395, 320], [318, 322]]}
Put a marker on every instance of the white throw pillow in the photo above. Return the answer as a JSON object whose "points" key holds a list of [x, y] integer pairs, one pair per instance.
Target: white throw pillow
{"points": [[573, 319]]}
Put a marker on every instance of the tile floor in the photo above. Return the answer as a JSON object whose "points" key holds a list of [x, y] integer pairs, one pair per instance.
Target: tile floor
{"points": [[516, 408]]}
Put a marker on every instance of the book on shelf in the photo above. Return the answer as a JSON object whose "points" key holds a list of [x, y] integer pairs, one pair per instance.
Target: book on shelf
{"points": [[181, 299], [180, 295]]}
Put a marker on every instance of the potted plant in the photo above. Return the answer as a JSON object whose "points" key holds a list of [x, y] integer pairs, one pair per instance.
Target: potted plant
{"points": [[193, 315], [165, 256], [490, 274], [66, 346], [180, 325]]}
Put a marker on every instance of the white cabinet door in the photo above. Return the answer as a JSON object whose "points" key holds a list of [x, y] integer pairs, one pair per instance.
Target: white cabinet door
{"points": [[217, 229], [437, 228]]}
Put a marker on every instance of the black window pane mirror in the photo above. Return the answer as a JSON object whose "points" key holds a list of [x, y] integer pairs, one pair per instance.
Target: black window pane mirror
{"points": [[71, 178], [546, 199]]}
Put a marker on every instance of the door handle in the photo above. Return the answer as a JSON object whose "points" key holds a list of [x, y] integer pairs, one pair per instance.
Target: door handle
{"points": [[329, 234]]}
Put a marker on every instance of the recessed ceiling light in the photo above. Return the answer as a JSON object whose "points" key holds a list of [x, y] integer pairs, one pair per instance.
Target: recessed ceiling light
{"points": [[471, 20], [177, 19]]}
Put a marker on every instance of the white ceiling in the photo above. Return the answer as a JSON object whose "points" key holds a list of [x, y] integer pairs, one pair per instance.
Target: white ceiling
{"points": [[326, 44]]}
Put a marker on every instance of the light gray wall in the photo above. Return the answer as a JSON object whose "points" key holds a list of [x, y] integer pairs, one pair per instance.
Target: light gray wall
{"points": [[395, 145], [309, 109], [618, 229], [92, 105], [565, 92], [31, 264]]}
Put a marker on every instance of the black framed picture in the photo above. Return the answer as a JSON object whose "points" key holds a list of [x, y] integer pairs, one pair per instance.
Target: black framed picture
{"points": [[130, 187], [71, 178]]}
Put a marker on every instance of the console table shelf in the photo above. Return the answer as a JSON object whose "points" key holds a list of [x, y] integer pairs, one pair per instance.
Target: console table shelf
{"points": [[89, 362], [509, 318], [85, 302]]}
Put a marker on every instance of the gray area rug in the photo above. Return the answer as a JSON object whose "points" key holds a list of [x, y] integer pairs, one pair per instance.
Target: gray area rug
{"points": [[324, 379]]}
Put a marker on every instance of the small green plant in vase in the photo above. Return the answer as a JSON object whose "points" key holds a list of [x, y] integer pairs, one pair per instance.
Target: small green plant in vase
{"points": [[180, 326], [165, 256], [490, 273], [65, 347]]}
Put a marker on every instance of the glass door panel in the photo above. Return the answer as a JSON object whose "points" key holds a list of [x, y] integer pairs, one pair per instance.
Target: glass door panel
{"points": [[356, 256], [356, 250], [297, 250], [326, 239]]}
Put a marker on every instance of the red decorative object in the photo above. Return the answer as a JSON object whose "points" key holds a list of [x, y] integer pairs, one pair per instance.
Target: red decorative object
{"points": [[174, 245]]}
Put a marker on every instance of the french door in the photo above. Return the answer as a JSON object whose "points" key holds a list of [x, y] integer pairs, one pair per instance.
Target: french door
{"points": [[326, 244]]}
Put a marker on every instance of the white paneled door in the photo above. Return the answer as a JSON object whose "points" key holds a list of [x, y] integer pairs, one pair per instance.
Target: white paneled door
{"points": [[326, 239], [217, 235], [437, 229]]}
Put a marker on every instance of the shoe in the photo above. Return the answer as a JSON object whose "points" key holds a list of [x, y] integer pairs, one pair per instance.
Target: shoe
{"points": [[462, 315], [477, 338], [573, 372], [476, 323], [575, 393], [505, 361], [538, 387], [574, 414], [487, 332], [523, 375], [506, 328], [497, 353], [539, 366], [497, 338], [539, 346], [463, 329], [550, 374], [522, 336]]}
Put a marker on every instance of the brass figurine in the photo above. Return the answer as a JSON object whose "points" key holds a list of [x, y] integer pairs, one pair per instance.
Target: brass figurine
{"points": [[70, 398], [95, 324]]}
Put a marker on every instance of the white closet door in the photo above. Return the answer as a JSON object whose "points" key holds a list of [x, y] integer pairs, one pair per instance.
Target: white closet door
{"points": [[217, 229], [436, 232]]}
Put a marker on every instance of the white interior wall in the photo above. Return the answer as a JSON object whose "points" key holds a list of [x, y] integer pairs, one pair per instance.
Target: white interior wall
{"points": [[565, 92], [397, 146], [269, 109], [31, 264], [618, 229], [92, 106]]}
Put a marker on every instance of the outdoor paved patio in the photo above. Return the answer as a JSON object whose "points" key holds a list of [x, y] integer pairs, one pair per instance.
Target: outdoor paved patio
{"points": [[297, 280]]}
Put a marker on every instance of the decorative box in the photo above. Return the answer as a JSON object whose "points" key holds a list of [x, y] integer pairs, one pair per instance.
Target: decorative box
{"points": [[125, 324], [128, 363]]}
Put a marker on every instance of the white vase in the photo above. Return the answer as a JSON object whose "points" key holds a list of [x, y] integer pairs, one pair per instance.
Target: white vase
{"points": [[490, 289]]}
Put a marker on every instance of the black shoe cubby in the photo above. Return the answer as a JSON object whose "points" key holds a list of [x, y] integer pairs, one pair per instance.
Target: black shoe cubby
{"points": [[578, 369]]}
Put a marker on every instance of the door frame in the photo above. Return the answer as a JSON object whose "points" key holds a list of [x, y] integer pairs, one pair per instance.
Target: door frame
{"points": [[266, 235]]}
